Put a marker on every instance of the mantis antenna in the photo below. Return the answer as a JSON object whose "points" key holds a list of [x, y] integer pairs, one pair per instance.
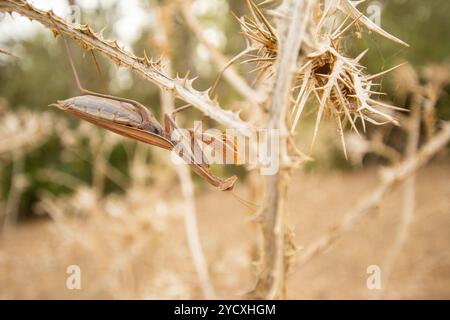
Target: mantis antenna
{"points": [[100, 73], [250, 205], [69, 55], [229, 63]]}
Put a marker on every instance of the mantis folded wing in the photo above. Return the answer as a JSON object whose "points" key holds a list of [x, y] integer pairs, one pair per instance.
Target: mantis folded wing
{"points": [[124, 118]]}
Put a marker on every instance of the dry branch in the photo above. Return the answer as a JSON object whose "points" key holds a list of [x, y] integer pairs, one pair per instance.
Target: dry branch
{"points": [[423, 106], [18, 184], [408, 186], [143, 66], [8, 53], [184, 176], [390, 177]]}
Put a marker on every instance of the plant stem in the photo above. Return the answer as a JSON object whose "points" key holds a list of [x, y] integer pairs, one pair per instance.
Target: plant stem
{"points": [[409, 192], [184, 176], [276, 256]]}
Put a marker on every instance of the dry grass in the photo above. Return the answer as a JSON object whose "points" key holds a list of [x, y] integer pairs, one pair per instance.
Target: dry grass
{"points": [[163, 268]]}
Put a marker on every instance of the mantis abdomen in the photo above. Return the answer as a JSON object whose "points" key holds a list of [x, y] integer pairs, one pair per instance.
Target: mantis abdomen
{"points": [[117, 116]]}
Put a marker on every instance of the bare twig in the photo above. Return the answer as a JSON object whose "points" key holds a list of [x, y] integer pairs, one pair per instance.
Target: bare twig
{"points": [[377, 146], [8, 53], [437, 76], [192, 232], [424, 99], [221, 62], [187, 186], [409, 192], [15, 191]]}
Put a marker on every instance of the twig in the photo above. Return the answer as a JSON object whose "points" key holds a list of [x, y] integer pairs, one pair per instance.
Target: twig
{"points": [[409, 192], [15, 191], [146, 68], [8, 53], [390, 177], [377, 146], [187, 187], [221, 62]]}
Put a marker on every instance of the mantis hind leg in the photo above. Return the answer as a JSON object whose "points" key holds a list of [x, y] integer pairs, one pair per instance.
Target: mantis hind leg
{"points": [[169, 125], [195, 153], [169, 120], [179, 109]]}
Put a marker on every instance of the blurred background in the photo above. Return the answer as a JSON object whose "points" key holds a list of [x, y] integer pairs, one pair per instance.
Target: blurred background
{"points": [[74, 194]]}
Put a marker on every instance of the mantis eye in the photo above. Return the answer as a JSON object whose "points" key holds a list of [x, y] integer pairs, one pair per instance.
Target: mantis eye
{"points": [[153, 128], [157, 130]]}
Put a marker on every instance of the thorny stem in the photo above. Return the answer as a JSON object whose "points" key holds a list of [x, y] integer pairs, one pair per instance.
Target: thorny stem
{"points": [[149, 70], [390, 176], [277, 239]]}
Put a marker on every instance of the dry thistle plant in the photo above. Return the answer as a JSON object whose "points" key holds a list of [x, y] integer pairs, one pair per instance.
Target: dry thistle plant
{"points": [[403, 165], [298, 51], [301, 55], [263, 40], [337, 82]]}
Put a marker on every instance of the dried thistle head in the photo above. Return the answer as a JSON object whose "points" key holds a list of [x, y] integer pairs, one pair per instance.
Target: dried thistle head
{"points": [[263, 40], [339, 84], [349, 9], [342, 89]]}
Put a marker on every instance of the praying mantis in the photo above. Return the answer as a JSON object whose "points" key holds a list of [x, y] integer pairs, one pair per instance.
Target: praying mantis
{"points": [[132, 119]]}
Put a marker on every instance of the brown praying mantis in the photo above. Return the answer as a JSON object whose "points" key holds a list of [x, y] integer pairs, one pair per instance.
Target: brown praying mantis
{"points": [[132, 119]]}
